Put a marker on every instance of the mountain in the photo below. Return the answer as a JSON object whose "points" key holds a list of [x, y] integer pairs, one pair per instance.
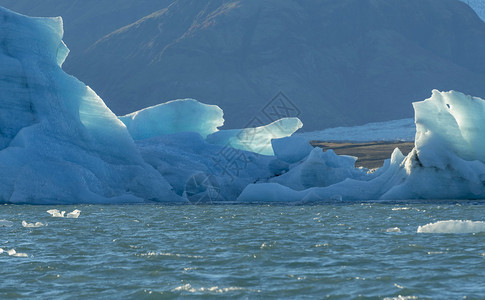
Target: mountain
{"points": [[345, 62]]}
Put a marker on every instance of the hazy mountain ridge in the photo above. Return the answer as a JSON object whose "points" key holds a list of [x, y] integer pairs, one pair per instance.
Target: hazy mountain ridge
{"points": [[239, 54]]}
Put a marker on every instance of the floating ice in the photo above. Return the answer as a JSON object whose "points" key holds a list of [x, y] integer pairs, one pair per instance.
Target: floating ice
{"points": [[60, 144], [448, 161], [320, 169], [393, 229], [6, 223], [14, 253], [257, 139], [200, 171], [453, 226], [1, 250], [55, 213], [59, 141], [185, 115], [74, 214], [33, 225]]}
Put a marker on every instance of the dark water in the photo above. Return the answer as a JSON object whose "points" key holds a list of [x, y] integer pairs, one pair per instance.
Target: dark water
{"points": [[150, 251]]}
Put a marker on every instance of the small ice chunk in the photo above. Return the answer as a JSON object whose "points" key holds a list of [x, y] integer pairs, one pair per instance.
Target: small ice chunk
{"points": [[55, 213], [74, 214], [19, 254], [33, 225], [393, 229], [1, 250], [5, 223], [14, 253], [453, 226]]}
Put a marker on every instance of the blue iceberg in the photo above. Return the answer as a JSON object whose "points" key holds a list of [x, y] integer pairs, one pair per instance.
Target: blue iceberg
{"points": [[60, 144]]}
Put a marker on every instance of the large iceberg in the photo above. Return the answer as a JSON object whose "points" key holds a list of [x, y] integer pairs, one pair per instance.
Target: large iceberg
{"points": [[59, 142], [447, 162], [203, 172]]}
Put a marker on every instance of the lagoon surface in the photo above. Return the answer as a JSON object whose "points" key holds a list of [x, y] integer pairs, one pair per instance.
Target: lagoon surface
{"points": [[339, 251]]}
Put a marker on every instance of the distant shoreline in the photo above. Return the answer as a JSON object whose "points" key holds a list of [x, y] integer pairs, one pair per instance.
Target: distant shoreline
{"points": [[370, 154]]}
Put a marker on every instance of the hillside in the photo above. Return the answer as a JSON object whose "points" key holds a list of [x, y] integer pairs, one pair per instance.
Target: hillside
{"points": [[344, 62]]}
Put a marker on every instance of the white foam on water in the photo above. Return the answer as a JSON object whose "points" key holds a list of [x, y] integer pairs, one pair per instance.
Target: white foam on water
{"points": [[33, 225], [6, 223], [401, 298], [170, 254], [453, 226], [214, 289]]}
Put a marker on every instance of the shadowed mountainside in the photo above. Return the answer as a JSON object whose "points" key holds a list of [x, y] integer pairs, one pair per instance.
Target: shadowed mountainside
{"points": [[343, 62]]}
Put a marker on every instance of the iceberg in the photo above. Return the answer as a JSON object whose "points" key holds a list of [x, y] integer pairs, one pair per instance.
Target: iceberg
{"points": [[446, 163], [59, 141], [256, 139], [203, 172], [184, 115]]}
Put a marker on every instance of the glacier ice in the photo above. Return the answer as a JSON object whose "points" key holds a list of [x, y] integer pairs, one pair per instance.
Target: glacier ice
{"points": [[184, 115], [196, 168], [256, 139], [446, 162], [59, 141], [291, 149]]}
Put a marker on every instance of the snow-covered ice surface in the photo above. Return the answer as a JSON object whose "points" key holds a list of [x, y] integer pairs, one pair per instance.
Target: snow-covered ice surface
{"points": [[397, 130], [185, 115], [453, 226]]}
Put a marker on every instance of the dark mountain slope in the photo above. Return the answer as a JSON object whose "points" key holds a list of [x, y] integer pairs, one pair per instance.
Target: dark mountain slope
{"points": [[340, 62]]}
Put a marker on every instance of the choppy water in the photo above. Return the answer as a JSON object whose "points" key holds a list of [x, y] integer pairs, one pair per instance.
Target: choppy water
{"points": [[150, 251]]}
